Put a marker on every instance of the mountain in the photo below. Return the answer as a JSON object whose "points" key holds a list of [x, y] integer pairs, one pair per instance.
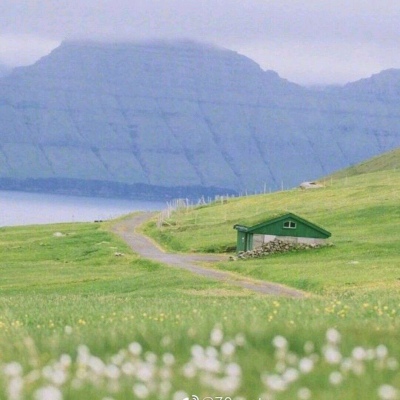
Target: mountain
{"points": [[4, 70], [385, 85], [178, 118]]}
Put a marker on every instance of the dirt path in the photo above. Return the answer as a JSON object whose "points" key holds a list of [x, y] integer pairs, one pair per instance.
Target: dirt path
{"points": [[144, 246]]}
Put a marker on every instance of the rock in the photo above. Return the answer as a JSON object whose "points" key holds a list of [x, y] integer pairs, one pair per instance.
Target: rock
{"points": [[58, 234]]}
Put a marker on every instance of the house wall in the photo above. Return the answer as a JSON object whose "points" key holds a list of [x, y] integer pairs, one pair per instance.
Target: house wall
{"points": [[259, 240]]}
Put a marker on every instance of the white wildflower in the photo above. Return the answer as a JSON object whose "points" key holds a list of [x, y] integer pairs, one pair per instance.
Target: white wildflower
{"points": [[211, 352], [304, 394], [212, 364], [227, 384], [359, 353], [58, 377], [96, 364], [392, 364], [65, 360], [119, 358], [333, 336], [280, 342], [145, 372], [180, 395], [15, 388], [332, 355], [13, 369], [168, 359], [387, 392], [335, 378], [189, 370], [150, 357], [128, 368], [47, 371], [290, 375], [197, 351], [228, 349], [135, 348], [141, 391], [306, 365], [68, 330], [216, 336], [83, 355], [112, 371], [233, 369], [48, 393], [381, 351], [275, 383]]}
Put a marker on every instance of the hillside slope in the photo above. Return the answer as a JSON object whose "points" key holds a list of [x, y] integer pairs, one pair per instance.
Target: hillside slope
{"points": [[384, 162], [139, 118], [362, 213]]}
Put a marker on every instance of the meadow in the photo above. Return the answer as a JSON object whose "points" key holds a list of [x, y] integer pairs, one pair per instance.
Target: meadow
{"points": [[79, 322]]}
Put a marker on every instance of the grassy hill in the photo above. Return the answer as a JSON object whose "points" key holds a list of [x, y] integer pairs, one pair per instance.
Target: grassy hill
{"points": [[361, 211], [384, 162], [78, 322]]}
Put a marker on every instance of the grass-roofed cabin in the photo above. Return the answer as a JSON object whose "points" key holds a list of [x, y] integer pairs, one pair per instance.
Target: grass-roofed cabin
{"points": [[288, 227]]}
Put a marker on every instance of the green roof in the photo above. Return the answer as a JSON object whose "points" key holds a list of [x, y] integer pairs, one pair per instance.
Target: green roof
{"points": [[277, 218]]}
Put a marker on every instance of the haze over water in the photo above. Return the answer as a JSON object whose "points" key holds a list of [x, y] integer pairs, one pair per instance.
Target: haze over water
{"points": [[18, 208]]}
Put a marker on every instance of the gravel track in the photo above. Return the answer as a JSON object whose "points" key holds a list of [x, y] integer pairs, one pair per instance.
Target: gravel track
{"points": [[147, 248]]}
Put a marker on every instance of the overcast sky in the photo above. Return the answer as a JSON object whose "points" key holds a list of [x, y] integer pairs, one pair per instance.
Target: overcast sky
{"points": [[307, 42]]}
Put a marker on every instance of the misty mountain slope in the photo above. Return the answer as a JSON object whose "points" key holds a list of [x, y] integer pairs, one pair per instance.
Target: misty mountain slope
{"points": [[4, 70], [179, 115]]}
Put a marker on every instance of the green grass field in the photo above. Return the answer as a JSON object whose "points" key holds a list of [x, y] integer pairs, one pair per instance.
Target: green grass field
{"points": [[362, 212], [78, 322]]}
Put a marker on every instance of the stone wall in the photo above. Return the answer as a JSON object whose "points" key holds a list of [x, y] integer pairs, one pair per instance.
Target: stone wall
{"points": [[278, 246]]}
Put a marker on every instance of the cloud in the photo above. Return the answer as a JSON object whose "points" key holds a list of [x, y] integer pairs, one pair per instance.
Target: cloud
{"points": [[24, 49], [305, 41], [318, 64]]}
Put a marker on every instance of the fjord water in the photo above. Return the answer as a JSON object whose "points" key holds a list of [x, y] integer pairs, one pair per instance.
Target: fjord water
{"points": [[19, 208]]}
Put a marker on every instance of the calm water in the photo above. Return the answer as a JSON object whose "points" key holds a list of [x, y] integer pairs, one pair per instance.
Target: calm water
{"points": [[17, 208]]}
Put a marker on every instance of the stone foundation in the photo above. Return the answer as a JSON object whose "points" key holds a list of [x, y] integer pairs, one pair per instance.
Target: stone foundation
{"points": [[280, 246]]}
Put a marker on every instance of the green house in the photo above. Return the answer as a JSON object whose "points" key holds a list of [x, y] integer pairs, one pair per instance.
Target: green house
{"points": [[286, 226]]}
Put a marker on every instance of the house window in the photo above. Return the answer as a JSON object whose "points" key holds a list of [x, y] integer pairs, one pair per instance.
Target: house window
{"points": [[289, 225]]}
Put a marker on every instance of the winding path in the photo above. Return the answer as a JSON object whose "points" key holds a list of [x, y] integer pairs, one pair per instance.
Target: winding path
{"points": [[145, 247]]}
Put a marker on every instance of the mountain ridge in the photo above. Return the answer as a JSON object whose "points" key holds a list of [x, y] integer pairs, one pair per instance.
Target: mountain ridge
{"points": [[179, 115]]}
